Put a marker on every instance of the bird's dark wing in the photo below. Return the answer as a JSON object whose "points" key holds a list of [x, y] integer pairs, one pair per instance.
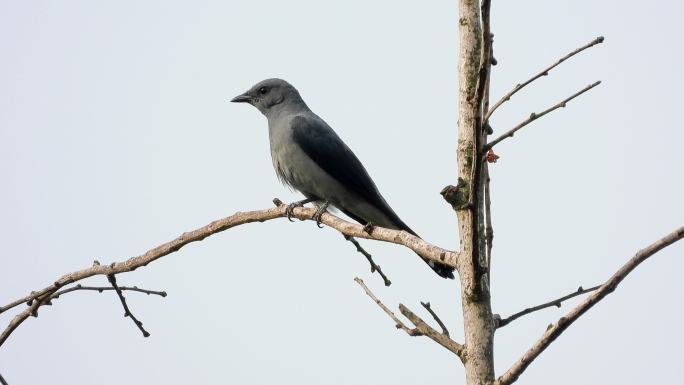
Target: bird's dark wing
{"points": [[324, 147]]}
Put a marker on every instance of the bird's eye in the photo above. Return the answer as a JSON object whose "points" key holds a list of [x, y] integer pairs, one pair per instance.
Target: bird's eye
{"points": [[263, 90]]}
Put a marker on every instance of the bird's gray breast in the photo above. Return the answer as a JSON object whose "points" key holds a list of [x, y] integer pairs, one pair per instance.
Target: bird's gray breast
{"points": [[288, 159]]}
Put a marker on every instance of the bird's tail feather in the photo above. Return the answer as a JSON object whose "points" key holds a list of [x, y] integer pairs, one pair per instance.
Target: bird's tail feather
{"points": [[441, 269], [444, 271]]}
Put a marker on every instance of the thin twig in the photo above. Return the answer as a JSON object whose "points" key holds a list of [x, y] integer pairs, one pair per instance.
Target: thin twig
{"points": [[434, 315], [100, 289], [556, 302], [544, 72], [397, 322], [127, 311], [564, 322], [535, 116], [2, 381], [373, 267], [35, 303], [421, 328]]}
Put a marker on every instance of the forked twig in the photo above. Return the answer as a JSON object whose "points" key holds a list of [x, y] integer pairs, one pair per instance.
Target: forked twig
{"points": [[563, 323], [544, 72], [421, 328]]}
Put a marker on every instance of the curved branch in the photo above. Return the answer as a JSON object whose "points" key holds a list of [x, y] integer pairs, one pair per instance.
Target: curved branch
{"points": [[564, 322], [21, 317], [414, 243]]}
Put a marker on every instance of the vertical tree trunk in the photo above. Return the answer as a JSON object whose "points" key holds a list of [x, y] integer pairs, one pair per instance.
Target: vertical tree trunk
{"points": [[473, 269]]}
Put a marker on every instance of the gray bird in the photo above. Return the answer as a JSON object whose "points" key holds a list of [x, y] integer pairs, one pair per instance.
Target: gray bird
{"points": [[309, 157]]}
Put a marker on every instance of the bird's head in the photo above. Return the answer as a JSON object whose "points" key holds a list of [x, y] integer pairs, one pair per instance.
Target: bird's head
{"points": [[269, 95]]}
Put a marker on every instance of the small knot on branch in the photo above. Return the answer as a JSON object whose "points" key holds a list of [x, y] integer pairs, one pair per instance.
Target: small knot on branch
{"points": [[457, 196]]}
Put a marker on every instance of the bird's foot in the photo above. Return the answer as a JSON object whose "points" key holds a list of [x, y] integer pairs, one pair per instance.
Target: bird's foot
{"points": [[290, 208], [368, 228], [321, 209]]}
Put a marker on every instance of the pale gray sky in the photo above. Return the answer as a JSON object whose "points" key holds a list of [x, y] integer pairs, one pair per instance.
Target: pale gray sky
{"points": [[116, 135]]}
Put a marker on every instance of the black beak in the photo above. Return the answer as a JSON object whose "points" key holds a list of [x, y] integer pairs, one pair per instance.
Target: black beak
{"points": [[244, 98]]}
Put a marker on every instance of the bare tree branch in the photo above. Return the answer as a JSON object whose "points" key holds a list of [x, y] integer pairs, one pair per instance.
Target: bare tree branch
{"points": [[32, 310], [127, 311], [373, 266], [433, 334], [100, 289], [35, 303], [2, 381], [418, 245], [564, 322], [27, 300], [434, 315], [421, 328], [556, 302], [414, 243], [535, 116], [544, 72], [80, 287], [397, 322]]}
